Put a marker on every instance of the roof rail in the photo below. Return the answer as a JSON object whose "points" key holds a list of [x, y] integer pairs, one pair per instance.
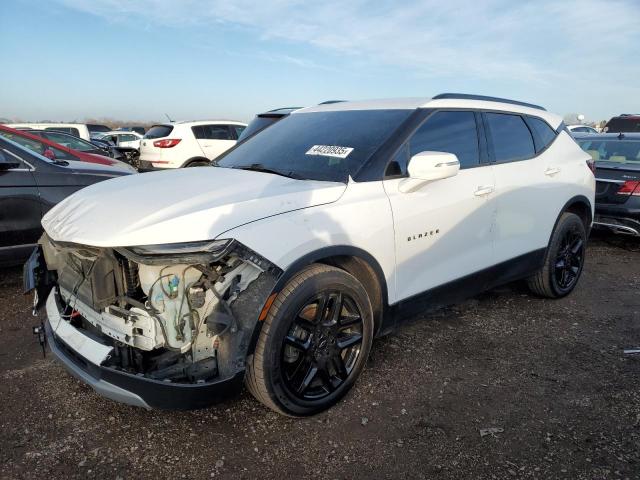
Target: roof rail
{"points": [[329, 102], [466, 96]]}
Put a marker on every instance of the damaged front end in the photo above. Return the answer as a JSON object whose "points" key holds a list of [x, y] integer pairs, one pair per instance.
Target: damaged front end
{"points": [[165, 326]]}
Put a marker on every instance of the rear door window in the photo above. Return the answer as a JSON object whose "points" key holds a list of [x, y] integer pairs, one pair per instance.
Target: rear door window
{"points": [[508, 137], [452, 132], [236, 130], [218, 132], [159, 131], [211, 132]]}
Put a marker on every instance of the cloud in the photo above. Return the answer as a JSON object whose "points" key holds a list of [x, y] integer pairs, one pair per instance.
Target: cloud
{"points": [[542, 42]]}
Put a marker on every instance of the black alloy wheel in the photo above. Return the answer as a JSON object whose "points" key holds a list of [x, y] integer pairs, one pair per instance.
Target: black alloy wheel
{"points": [[564, 258], [569, 260], [322, 346], [314, 342]]}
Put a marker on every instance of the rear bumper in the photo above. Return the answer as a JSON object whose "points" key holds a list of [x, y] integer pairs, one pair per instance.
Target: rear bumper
{"points": [[146, 166], [622, 218], [82, 355]]}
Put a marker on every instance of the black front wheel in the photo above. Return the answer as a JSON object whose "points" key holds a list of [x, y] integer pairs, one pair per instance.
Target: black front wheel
{"points": [[314, 342], [564, 259]]}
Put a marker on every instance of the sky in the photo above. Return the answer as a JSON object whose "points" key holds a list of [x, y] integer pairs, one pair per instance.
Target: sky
{"points": [[208, 59]]}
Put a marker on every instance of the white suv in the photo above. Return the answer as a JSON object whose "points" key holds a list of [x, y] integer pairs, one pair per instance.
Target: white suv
{"points": [[280, 265], [187, 144]]}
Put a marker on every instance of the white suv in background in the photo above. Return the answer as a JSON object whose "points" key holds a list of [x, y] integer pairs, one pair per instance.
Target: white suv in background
{"points": [[280, 265], [187, 144]]}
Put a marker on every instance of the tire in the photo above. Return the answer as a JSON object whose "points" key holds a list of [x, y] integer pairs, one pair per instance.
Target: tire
{"points": [[565, 253], [298, 337], [197, 163]]}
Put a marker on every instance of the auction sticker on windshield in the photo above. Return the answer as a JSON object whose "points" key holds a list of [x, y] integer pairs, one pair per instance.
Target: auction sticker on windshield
{"points": [[330, 151]]}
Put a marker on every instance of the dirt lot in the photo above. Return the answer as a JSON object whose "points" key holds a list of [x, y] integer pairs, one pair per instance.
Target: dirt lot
{"points": [[549, 376]]}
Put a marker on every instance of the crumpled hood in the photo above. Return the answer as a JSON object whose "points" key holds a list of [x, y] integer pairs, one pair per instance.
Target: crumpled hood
{"points": [[182, 205]]}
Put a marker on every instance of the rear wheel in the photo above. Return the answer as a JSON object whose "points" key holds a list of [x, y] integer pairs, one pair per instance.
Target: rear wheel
{"points": [[314, 342], [564, 259]]}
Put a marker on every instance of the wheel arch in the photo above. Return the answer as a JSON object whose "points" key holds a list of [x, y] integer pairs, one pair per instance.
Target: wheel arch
{"points": [[581, 206], [194, 159], [353, 260]]}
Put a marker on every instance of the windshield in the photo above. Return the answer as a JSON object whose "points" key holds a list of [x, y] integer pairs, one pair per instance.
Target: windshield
{"points": [[257, 124], [319, 145], [613, 150]]}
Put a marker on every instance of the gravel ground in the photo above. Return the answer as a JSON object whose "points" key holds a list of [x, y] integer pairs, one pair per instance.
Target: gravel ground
{"points": [[503, 386]]}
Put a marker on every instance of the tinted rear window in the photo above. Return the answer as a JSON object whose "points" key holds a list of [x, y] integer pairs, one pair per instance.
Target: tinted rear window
{"points": [[612, 150], [622, 124], [159, 131], [98, 128], [543, 134], [509, 137]]}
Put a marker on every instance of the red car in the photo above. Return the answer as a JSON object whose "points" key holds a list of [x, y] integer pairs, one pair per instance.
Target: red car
{"points": [[53, 150]]}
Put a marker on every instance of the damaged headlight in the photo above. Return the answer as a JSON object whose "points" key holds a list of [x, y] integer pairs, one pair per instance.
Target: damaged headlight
{"points": [[209, 250]]}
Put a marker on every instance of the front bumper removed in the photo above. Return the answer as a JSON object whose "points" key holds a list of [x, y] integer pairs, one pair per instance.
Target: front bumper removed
{"points": [[82, 355]]}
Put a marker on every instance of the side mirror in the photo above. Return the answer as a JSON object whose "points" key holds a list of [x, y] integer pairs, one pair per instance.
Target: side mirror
{"points": [[7, 163], [427, 167], [50, 154]]}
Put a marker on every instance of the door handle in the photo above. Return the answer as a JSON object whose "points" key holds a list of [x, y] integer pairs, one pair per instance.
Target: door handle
{"points": [[485, 190], [551, 171]]}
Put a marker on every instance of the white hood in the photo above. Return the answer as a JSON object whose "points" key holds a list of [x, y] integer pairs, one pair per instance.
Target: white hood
{"points": [[182, 205]]}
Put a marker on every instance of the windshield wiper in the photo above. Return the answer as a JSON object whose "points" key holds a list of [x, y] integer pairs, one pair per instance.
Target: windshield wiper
{"points": [[259, 167]]}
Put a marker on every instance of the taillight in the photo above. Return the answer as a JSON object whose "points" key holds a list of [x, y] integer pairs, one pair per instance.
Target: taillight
{"points": [[630, 187], [166, 143], [592, 165]]}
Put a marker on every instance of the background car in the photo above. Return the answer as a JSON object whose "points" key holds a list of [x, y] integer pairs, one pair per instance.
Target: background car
{"points": [[55, 151], [263, 120], [617, 160], [109, 146], [71, 141], [187, 144], [581, 129], [123, 139], [82, 130], [30, 184], [140, 130], [626, 122]]}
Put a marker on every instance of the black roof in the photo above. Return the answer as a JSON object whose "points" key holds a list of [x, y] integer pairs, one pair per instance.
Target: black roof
{"points": [[467, 96]]}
